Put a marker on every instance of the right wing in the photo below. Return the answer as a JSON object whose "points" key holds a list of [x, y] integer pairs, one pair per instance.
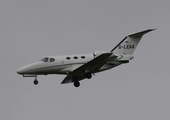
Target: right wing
{"points": [[91, 66]]}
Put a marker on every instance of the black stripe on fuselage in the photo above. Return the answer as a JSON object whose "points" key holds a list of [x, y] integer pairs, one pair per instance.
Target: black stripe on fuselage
{"points": [[54, 66]]}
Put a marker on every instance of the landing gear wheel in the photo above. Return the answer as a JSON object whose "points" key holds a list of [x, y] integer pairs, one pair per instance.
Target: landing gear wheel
{"points": [[35, 82], [76, 83], [88, 75]]}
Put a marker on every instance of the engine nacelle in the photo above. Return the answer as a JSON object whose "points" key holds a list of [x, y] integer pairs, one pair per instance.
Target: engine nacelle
{"points": [[125, 57], [97, 53]]}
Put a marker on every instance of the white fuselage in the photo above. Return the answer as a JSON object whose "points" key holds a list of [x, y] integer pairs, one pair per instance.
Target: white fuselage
{"points": [[61, 65]]}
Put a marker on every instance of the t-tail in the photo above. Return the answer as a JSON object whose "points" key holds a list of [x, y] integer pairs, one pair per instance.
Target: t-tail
{"points": [[129, 43]]}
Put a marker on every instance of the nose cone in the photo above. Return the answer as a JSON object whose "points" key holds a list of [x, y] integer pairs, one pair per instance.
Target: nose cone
{"points": [[23, 70], [20, 71], [29, 69]]}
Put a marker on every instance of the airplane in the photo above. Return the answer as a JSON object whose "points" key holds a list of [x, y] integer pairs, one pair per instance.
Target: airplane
{"points": [[82, 66]]}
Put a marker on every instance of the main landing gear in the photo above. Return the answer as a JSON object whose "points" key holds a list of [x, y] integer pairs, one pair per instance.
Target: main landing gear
{"points": [[77, 83], [36, 81], [88, 75]]}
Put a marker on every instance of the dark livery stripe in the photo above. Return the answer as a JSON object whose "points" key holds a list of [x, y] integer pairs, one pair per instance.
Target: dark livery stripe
{"points": [[55, 66], [118, 44]]}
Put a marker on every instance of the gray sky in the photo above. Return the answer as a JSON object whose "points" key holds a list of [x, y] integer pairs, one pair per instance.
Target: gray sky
{"points": [[32, 29]]}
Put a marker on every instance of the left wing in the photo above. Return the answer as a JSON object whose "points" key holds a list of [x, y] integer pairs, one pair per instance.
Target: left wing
{"points": [[91, 66]]}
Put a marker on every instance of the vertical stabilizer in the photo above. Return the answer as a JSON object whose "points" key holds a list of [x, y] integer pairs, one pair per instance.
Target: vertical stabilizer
{"points": [[129, 43]]}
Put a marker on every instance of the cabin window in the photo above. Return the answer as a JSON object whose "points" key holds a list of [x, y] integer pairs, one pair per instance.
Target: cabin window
{"points": [[75, 57], [52, 59], [83, 57], [45, 59], [68, 58]]}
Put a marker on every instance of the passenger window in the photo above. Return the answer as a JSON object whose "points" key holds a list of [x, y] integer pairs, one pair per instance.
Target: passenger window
{"points": [[75, 57], [68, 58], [52, 59], [83, 57]]}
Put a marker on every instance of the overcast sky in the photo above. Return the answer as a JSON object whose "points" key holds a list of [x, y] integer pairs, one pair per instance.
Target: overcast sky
{"points": [[32, 29]]}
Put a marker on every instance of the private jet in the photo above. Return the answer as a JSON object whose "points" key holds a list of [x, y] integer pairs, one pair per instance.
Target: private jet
{"points": [[84, 66]]}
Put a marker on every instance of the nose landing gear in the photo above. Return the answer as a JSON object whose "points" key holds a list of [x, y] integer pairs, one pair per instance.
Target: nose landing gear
{"points": [[36, 81]]}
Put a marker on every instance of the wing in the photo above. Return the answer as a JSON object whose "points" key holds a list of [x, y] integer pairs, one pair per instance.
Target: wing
{"points": [[91, 66]]}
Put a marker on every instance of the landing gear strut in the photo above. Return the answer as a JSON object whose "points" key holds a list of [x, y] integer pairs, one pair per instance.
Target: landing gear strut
{"points": [[36, 81]]}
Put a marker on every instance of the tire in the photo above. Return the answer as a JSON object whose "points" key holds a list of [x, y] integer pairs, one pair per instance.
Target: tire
{"points": [[35, 82], [76, 83], [88, 75]]}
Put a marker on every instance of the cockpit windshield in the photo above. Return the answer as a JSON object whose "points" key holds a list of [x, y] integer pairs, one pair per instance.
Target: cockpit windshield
{"points": [[45, 59]]}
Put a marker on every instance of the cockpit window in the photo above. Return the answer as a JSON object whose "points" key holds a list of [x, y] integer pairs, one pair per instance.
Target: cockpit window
{"points": [[45, 59], [52, 59]]}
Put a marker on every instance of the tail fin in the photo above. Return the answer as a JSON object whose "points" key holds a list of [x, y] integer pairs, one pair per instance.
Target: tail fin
{"points": [[129, 43]]}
